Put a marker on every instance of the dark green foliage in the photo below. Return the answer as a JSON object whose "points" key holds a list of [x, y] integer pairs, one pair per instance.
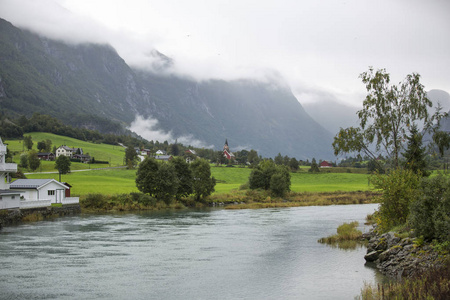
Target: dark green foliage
{"points": [[203, 183], [253, 158], [23, 160], [166, 182], [62, 164], [430, 213], [131, 157], [374, 166], [269, 176], [280, 182], [158, 179], [399, 189], [184, 175], [33, 160], [10, 130], [174, 149], [293, 164], [415, 153], [41, 146], [278, 159], [28, 142], [314, 167], [146, 176]]}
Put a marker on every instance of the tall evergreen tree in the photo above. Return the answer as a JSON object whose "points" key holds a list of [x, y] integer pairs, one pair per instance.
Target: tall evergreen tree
{"points": [[415, 153]]}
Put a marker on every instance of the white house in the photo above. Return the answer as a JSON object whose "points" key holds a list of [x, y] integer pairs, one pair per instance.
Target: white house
{"points": [[26, 193], [67, 151], [42, 192]]}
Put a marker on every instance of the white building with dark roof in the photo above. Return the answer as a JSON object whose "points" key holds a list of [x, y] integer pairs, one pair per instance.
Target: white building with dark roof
{"points": [[44, 191]]}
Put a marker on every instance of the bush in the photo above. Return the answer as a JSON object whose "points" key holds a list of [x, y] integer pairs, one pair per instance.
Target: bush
{"points": [[399, 189], [430, 213], [94, 201]]}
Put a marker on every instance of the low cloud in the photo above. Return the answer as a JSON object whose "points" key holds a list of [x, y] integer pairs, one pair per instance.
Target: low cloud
{"points": [[148, 129]]}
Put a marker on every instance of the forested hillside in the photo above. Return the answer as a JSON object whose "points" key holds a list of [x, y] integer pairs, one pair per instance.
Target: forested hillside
{"points": [[91, 86]]}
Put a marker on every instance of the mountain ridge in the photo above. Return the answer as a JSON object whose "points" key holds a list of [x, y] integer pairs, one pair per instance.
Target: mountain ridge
{"points": [[85, 82]]}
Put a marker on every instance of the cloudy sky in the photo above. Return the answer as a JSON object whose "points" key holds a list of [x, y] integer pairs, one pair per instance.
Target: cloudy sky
{"points": [[317, 47]]}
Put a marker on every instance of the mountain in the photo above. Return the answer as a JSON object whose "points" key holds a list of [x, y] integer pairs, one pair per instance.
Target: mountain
{"points": [[342, 115], [346, 116], [90, 85]]}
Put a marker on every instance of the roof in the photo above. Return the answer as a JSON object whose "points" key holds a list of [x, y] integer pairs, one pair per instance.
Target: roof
{"points": [[9, 192], [325, 164], [163, 157], [32, 183], [45, 153]]}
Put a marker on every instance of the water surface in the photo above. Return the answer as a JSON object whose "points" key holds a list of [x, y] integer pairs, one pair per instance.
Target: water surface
{"points": [[209, 254]]}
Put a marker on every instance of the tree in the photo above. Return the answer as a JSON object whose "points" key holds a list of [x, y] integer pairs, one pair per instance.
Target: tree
{"points": [[253, 158], [174, 149], [388, 111], [442, 141], [145, 176], [278, 159], [399, 189], [280, 182], [62, 164], [28, 142], [241, 156], [203, 183], [48, 145], [131, 157], [184, 175], [269, 176], [41, 146], [158, 179], [166, 182], [314, 166], [293, 164], [415, 153], [24, 160], [33, 160]]}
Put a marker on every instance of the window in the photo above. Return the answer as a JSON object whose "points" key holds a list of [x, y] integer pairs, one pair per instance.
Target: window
{"points": [[51, 192]]}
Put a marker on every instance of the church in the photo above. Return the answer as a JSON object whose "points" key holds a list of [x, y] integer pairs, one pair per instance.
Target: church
{"points": [[226, 151]]}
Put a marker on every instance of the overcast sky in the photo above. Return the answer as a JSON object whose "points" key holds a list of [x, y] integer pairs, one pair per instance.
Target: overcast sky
{"points": [[317, 47]]}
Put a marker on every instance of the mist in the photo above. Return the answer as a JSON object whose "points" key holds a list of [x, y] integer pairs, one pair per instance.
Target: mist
{"points": [[313, 45], [147, 128]]}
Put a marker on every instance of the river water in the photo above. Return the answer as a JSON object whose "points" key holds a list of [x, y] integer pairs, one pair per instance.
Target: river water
{"points": [[187, 254]]}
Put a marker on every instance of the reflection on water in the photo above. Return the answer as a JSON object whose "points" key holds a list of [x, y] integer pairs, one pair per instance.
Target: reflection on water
{"points": [[209, 254]]}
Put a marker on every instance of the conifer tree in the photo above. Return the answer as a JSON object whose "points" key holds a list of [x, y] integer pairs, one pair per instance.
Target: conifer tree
{"points": [[415, 153]]}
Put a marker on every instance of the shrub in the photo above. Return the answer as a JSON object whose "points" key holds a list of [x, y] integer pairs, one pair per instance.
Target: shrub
{"points": [[399, 189], [430, 213]]}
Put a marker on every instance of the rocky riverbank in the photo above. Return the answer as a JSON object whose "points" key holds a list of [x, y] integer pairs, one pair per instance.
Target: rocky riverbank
{"points": [[15, 216], [398, 257]]}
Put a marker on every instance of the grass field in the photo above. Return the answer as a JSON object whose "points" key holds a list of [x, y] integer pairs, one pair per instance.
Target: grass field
{"points": [[113, 181], [102, 152]]}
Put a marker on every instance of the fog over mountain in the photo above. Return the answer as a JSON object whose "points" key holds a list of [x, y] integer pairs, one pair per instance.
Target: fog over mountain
{"points": [[90, 85]]}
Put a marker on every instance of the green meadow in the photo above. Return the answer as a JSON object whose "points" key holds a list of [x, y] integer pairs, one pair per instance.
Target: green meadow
{"points": [[102, 152], [120, 180], [114, 181]]}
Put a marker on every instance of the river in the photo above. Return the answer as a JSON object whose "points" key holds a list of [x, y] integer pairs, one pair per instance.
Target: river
{"points": [[185, 254]]}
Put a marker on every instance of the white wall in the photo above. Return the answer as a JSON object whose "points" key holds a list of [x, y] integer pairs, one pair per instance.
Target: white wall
{"points": [[7, 201]]}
